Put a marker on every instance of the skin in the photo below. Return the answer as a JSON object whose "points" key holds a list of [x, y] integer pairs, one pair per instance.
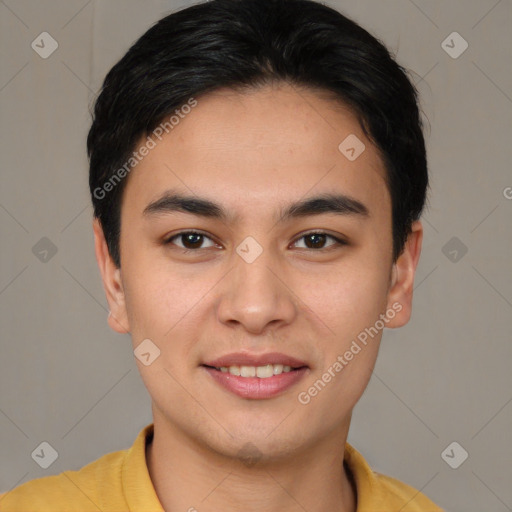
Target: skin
{"points": [[254, 153]]}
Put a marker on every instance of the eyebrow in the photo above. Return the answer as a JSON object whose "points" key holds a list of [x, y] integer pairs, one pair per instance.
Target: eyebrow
{"points": [[339, 204]]}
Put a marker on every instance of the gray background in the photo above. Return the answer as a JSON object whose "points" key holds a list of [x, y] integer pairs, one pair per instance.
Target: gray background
{"points": [[65, 378]]}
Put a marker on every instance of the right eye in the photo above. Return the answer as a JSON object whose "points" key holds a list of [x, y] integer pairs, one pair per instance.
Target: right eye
{"points": [[191, 240]]}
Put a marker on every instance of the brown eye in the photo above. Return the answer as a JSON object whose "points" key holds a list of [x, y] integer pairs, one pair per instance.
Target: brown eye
{"points": [[316, 240], [191, 240]]}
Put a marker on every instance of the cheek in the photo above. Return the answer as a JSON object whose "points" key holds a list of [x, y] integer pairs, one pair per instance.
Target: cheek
{"points": [[163, 302], [348, 297], [350, 304], [154, 304]]}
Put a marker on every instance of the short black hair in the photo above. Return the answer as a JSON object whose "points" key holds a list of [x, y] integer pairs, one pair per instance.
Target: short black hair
{"points": [[244, 44]]}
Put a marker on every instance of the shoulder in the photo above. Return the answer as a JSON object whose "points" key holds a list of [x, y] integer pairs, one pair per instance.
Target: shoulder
{"points": [[70, 490], [405, 495], [379, 492]]}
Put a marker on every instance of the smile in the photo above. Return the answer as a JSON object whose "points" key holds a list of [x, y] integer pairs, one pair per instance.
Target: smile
{"points": [[263, 372], [256, 382]]}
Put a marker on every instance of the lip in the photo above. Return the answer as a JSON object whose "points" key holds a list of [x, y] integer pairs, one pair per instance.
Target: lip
{"points": [[246, 359], [257, 388]]}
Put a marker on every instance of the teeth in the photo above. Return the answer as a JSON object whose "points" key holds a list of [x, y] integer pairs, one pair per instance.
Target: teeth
{"points": [[263, 372], [278, 368], [247, 371]]}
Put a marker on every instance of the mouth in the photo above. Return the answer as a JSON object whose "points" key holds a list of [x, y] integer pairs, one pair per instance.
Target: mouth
{"points": [[261, 372], [256, 382]]}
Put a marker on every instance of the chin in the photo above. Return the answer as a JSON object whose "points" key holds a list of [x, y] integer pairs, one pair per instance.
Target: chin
{"points": [[251, 445]]}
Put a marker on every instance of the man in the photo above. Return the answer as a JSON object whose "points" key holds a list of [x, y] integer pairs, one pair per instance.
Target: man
{"points": [[258, 171]]}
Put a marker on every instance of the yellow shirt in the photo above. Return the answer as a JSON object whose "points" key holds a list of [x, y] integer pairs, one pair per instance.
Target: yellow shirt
{"points": [[120, 482]]}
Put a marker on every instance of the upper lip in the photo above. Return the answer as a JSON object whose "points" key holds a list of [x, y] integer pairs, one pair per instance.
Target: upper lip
{"points": [[246, 359]]}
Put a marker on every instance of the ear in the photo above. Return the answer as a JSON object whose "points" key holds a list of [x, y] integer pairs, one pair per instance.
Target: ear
{"points": [[402, 278], [112, 283]]}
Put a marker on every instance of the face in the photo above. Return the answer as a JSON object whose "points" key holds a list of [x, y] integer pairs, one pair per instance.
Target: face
{"points": [[305, 282]]}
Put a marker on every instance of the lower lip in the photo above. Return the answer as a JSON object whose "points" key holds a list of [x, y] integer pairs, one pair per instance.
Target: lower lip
{"points": [[255, 387]]}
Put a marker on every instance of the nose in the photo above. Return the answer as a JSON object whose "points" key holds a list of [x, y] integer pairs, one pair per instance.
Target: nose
{"points": [[256, 295]]}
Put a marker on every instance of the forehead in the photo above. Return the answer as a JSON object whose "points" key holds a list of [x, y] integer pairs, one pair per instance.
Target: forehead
{"points": [[254, 149]]}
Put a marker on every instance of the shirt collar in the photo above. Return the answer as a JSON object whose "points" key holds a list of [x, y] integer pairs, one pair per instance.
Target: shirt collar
{"points": [[368, 488], [138, 488]]}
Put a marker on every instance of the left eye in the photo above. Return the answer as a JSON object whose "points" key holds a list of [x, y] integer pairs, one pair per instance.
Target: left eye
{"points": [[316, 238], [192, 240]]}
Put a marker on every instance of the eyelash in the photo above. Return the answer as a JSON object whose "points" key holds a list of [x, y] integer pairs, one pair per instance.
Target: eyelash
{"points": [[339, 241]]}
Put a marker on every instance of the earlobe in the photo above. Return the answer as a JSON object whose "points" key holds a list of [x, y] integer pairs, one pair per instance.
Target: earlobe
{"points": [[402, 278], [112, 283], [117, 325]]}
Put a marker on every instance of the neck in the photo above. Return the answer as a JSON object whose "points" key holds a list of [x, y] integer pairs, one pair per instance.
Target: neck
{"points": [[190, 476]]}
